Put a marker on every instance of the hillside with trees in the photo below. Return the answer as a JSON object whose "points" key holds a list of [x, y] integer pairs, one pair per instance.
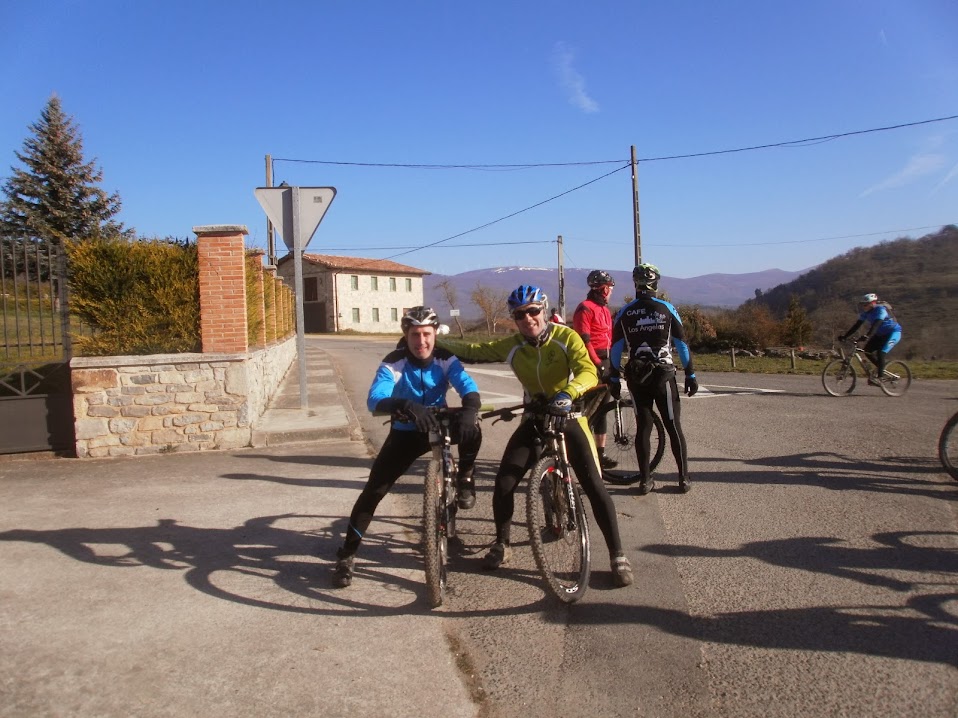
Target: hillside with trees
{"points": [[917, 277]]}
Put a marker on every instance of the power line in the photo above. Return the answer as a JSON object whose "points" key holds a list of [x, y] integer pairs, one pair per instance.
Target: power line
{"points": [[508, 216], [448, 246], [531, 165]]}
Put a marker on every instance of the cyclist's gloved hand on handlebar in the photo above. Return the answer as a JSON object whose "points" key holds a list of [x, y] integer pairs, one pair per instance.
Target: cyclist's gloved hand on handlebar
{"points": [[691, 385], [604, 370], [423, 417], [615, 388], [842, 337], [561, 403], [468, 425]]}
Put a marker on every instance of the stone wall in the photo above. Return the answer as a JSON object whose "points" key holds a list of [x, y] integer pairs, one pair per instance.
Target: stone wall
{"points": [[135, 405]]}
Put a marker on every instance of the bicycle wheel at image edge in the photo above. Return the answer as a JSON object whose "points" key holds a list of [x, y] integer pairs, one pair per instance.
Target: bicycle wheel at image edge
{"points": [[433, 541], [897, 378], [558, 531], [948, 447], [838, 378], [620, 443]]}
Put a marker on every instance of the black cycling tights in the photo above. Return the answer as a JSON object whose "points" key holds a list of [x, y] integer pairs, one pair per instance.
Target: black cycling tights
{"points": [[666, 399], [520, 455], [399, 451]]}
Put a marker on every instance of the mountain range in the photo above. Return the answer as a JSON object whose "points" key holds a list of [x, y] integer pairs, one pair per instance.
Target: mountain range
{"points": [[713, 290]]}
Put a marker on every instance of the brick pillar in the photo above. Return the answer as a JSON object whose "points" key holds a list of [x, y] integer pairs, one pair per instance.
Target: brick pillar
{"points": [[222, 287]]}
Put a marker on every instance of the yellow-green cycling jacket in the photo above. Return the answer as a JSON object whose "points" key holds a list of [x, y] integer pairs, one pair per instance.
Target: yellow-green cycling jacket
{"points": [[559, 363]]}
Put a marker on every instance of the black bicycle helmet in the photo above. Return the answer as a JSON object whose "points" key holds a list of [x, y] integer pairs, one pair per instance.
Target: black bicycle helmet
{"points": [[526, 294], [597, 278], [646, 276], [419, 317]]}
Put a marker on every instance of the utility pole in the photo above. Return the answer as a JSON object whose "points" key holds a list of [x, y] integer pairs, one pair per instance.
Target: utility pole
{"points": [[270, 243], [561, 281], [635, 210]]}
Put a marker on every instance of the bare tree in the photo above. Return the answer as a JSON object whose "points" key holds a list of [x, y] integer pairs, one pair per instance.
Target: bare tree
{"points": [[451, 296], [491, 303]]}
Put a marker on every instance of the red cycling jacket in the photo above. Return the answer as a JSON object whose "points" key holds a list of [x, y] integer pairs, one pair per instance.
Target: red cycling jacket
{"points": [[593, 321]]}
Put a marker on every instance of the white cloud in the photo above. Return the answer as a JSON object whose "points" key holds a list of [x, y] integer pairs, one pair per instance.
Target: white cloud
{"points": [[882, 38], [571, 81], [948, 178], [917, 167]]}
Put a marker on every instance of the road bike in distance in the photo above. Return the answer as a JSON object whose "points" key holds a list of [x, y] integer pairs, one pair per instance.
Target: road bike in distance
{"points": [[620, 439], [555, 509], [840, 375], [948, 447]]}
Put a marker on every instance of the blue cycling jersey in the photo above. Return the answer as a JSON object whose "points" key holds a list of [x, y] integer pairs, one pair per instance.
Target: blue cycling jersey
{"points": [[880, 315], [400, 377]]}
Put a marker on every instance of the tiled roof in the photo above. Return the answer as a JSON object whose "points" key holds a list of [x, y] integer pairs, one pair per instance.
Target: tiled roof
{"points": [[358, 264]]}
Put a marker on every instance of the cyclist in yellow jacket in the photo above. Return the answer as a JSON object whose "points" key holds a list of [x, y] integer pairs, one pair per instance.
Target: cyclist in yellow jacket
{"points": [[553, 365]]}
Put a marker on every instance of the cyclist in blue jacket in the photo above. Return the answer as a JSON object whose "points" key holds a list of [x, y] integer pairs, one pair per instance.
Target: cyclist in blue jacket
{"points": [[411, 379], [644, 331], [883, 334]]}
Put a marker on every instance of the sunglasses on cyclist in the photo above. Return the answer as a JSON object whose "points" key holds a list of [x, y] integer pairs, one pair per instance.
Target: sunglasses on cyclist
{"points": [[522, 313]]}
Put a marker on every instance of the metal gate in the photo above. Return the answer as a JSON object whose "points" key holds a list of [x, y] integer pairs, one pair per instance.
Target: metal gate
{"points": [[36, 397]]}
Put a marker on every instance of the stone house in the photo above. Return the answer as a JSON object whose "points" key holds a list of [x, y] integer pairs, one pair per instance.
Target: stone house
{"points": [[365, 295]]}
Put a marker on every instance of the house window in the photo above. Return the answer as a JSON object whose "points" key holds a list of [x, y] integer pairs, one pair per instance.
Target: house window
{"points": [[354, 282], [310, 290], [392, 284], [376, 315], [355, 315], [408, 284], [394, 314], [374, 283]]}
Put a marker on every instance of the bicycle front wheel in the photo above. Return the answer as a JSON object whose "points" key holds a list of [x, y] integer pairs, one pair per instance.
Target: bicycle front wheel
{"points": [[896, 379], [558, 530], [838, 377], [433, 538], [948, 447], [620, 442]]}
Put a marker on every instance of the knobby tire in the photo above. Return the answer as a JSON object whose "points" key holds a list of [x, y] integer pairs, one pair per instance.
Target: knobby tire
{"points": [[839, 378], [434, 541], [896, 387], [559, 536], [948, 447]]}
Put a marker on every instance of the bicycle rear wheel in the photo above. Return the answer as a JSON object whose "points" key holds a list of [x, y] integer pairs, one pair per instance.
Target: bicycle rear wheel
{"points": [[558, 530], [434, 541], [620, 442], [838, 377], [896, 379], [948, 447]]}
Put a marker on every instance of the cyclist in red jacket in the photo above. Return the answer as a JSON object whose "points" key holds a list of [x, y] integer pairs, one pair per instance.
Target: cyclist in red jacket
{"points": [[593, 321]]}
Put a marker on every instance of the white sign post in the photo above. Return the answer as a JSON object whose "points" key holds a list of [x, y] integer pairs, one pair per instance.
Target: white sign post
{"points": [[296, 213]]}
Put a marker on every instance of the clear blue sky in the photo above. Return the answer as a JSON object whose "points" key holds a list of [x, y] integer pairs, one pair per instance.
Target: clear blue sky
{"points": [[180, 102]]}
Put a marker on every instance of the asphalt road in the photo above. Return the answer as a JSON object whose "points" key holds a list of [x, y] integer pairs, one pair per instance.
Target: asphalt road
{"points": [[812, 570]]}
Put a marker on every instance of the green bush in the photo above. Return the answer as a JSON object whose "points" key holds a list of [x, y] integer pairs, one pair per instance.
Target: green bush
{"points": [[137, 297]]}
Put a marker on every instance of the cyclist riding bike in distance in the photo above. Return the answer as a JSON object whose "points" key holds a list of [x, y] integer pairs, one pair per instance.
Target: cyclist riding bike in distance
{"points": [[883, 334], [644, 331], [593, 321], [408, 382], [554, 368]]}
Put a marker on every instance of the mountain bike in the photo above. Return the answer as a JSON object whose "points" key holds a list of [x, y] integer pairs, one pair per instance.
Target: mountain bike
{"points": [[439, 505], [555, 511], [839, 375], [948, 447], [620, 439]]}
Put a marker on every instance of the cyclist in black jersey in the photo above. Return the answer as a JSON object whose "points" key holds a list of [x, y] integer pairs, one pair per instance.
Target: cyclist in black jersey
{"points": [[644, 331]]}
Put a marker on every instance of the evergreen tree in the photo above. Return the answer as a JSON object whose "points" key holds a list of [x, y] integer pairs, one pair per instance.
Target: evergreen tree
{"points": [[55, 196]]}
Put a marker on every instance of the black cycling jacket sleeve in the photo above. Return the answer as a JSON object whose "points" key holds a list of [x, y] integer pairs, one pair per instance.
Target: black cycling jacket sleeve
{"points": [[472, 400], [389, 405]]}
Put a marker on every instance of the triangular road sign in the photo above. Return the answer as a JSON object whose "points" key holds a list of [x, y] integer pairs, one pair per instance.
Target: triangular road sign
{"points": [[278, 205]]}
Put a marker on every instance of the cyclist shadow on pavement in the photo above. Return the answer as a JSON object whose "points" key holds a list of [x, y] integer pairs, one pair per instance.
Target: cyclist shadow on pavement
{"points": [[280, 562], [924, 626], [836, 472]]}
